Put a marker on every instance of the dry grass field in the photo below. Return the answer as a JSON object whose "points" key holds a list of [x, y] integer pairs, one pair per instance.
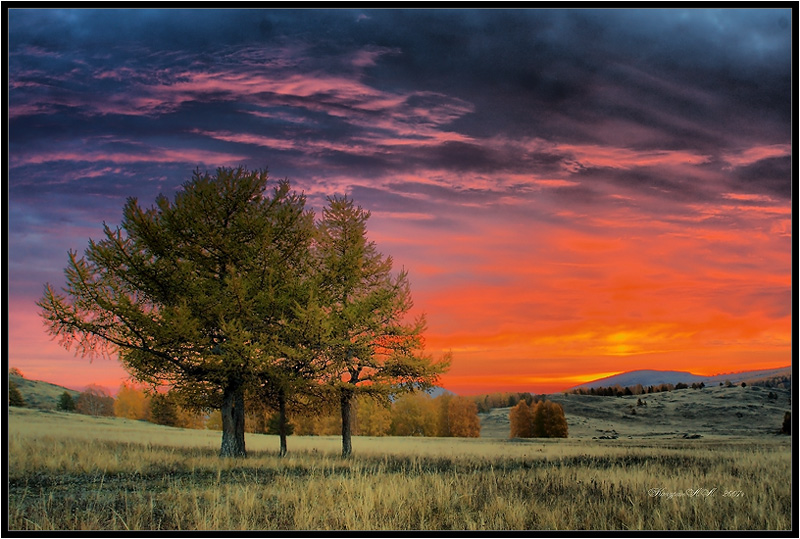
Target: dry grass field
{"points": [[72, 472]]}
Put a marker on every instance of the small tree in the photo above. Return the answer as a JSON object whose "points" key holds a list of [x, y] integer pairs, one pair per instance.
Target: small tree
{"points": [[163, 410], [521, 420], [66, 403], [786, 428], [274, 426], [462, 414], [131, 403], [414, 414], [538, 429], [14, 396], [544, 420], [369, 347], [96, 401], [373, 417], [555, 423], [443, 410]]}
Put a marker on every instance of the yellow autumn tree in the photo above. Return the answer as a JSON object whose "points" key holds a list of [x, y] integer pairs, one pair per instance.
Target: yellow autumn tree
{"points": [[544, 419], [131, 402], [521, 420], [462, 418], [414, 414], [373, 418]]}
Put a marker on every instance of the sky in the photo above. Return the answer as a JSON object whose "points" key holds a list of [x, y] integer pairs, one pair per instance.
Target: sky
{"points": [[574, 193]]}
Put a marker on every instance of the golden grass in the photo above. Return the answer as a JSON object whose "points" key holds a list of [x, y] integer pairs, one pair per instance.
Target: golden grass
{"points": [[74, 472]]}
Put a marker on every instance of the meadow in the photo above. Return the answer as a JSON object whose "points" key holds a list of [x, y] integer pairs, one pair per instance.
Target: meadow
{"points": [[71, 472]]}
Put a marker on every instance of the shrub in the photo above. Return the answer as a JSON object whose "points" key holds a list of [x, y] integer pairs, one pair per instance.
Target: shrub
{"points": [[274, 425], [95, 401], [14, 396], [544, 420], [786, 428], [66, 403], [521, 420], [163, 410]]}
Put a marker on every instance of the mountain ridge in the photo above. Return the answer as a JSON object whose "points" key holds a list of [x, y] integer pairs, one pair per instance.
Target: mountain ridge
{"points": [[649, 377]]}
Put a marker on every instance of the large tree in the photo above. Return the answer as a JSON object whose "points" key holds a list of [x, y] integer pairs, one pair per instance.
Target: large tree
{"points": [[190, 293], [371, 347]]}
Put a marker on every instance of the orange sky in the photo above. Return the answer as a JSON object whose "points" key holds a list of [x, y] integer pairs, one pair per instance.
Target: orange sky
{"points": [[543, 308]]}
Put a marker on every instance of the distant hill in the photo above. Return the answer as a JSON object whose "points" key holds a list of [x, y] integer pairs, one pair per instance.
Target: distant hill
{"points": [[713, 412], [435, 391], [38, 394], [656, 377]]}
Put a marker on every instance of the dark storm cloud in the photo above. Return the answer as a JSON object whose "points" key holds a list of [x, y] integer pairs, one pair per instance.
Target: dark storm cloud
{"points": [[370, 94], [768, 176], [556, 68]]}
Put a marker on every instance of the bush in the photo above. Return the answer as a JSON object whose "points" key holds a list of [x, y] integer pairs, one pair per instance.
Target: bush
{"points": [[462, 418], [66, 403], [521, 421], [786, 428], [14, 396], [163, 410], [274, 425], [95, 401], [544, 420]]}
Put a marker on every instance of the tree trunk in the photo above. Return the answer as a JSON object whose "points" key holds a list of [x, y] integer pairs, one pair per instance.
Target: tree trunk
{"points": [[282, 420], [347, 400], [233, 422]]}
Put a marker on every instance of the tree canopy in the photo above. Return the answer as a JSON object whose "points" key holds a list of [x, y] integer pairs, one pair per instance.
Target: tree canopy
{"points": [[370, 346], [232, 289]]}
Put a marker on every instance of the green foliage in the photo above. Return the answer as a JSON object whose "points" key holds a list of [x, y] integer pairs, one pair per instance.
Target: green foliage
{"points": [[190, 293], [369, 341], [230, 293], [274, 425], [14, 396], [163, 410], [66, 403], [369, 346]]}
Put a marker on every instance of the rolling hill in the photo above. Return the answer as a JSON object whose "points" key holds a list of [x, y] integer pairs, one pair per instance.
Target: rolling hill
{"points": [[38, 394], [657, 377], [711, 412]]}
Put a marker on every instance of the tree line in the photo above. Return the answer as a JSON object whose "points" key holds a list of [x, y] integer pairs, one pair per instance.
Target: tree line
{"points": [[233, 292], [412, 414], [618, 391]]}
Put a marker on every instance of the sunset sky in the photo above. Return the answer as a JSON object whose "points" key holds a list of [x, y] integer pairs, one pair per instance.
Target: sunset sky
{"points": [[574, 193]]}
